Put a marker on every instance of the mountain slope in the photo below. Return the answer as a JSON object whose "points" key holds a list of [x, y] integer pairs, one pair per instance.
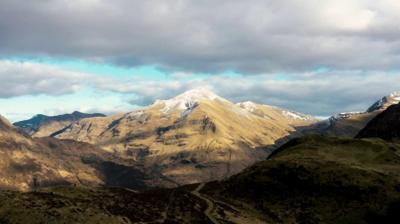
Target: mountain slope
{"points": [[28, 163], [194, 137], [385, 126], [100, 205], [318, 180], [42, 125], [308, 180], [350, 123]]}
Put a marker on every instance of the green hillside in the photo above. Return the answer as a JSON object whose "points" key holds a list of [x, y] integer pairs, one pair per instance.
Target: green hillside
{"points": [[319, 180]]}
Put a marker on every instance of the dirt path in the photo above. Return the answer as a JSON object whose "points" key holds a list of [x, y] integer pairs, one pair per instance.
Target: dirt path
{"points": [[210, 204], [240, 216]]}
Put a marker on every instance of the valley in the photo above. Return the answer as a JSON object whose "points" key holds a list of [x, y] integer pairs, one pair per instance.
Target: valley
{"points": [[199, 158]]}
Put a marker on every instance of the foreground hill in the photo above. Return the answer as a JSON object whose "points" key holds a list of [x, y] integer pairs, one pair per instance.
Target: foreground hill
{"points": [[308, 180], [101, 205], [43, 126], [194, 137], [385, 126], [349, 124], [319, 180], [27, 163]]}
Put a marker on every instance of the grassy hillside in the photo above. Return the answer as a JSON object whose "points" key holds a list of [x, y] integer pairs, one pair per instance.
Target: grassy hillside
{"points": [[385, 125], [308, 180], [100, 205], [319, 180]]}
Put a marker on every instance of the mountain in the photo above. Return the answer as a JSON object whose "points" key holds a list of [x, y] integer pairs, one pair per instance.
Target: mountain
{"points": [[350, 123], [385, 125], [28, 163], [42, 125], [385, 102], [194, 137], [308, 180], [317, 180]]}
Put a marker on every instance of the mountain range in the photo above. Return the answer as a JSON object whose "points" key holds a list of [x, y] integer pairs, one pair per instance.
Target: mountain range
{"points": [[199, 158], [194, 137], [28, 163], [348, 124]]}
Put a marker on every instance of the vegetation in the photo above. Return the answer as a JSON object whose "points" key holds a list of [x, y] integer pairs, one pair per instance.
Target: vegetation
{"points": [[320, 180], [100, 205]]}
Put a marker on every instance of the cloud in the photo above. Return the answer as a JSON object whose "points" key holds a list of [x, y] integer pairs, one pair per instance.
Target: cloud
{"points": [[26, 78], [320, 94], [254, 36]]}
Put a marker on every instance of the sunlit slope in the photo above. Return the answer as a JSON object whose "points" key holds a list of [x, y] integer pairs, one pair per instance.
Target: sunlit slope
{"points": [[193, 137]]}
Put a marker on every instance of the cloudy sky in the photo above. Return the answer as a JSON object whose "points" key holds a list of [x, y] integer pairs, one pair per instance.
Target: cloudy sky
{"points": [[313, 56]]}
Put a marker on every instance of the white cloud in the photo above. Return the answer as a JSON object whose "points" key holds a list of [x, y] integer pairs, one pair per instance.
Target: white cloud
{"points": [[26, 78], [319, 93]]}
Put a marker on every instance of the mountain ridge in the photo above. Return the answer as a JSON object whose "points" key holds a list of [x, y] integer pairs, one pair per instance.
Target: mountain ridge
{"points": [[193, 137], [348, 124], [35, 125]]}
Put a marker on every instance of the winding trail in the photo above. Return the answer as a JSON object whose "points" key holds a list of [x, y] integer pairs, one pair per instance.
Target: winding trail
{"points": [[210, 204], [239, 217]]}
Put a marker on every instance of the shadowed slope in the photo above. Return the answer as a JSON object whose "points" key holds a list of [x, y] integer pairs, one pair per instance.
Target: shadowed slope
{"points": [[27, 163], [318, 180], [385, 126]]}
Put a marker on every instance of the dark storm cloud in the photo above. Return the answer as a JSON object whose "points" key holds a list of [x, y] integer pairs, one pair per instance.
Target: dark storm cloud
{"points": [[253, 36]]}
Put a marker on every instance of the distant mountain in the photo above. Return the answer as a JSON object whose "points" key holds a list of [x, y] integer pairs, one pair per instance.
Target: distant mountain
{"points": [[348, 124], [385, 102], [28, 163], [385, 125], [42, 125], [196, 136]]}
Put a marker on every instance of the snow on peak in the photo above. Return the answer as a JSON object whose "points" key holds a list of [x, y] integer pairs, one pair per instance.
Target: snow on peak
{"points": [[384, 102], [187, 100], [296, 115], [345, 115], [395, 96], [248, 105], [200, 93]]}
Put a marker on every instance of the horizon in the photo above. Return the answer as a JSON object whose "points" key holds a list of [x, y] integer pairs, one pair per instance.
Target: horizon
{"points": [[196, 88], [317, 58]]}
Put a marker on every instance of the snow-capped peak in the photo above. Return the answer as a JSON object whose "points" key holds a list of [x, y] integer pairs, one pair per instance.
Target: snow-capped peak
{"points": [[248, 105], [188, 99], [296, 115], [345, 115], [395, 95], [384, 102], [199, 93]]}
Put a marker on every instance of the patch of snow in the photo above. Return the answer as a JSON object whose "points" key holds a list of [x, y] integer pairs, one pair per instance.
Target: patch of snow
{"points": [[187, 100], [248, 105], [345, 115], [295, 115], [395, 94], [384, 102], [190, 108]]}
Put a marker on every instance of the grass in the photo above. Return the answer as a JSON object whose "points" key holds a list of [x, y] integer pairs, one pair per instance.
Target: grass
{"points": [[319, 180]]}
